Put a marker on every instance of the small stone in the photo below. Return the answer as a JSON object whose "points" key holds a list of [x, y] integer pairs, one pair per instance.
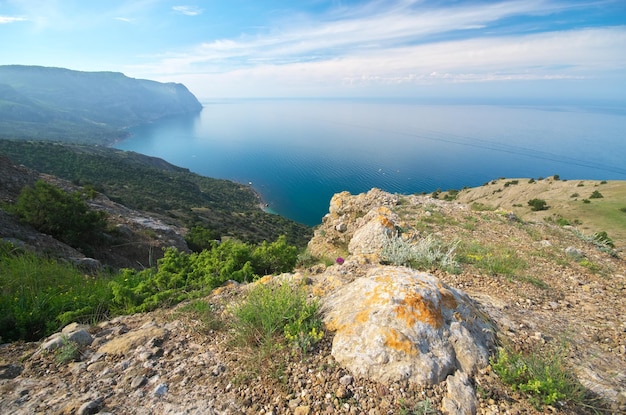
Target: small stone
{"points": [[160, 389], [138, 381], [90, 407], [346, 380], [218, 369], [302, 410], [574, 252], [343, 392]]}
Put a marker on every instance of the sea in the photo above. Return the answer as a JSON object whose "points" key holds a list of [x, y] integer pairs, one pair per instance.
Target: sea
{"points": [[297, 153]]}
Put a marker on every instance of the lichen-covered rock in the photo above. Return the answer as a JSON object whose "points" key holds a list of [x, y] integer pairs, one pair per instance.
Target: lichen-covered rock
{"points": [[378, 226], [399, 324], [130, 341], [345, 215]]}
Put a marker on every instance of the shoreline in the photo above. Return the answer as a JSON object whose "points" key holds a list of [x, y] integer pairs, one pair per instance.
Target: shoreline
{"points": [[262, 204]]}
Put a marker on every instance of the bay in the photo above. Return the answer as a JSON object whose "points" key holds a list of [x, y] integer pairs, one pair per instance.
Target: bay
{"points": [[298, 153]]}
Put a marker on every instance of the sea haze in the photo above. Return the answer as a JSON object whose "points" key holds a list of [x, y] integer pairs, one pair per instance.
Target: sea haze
{"points": [[298, 153]]}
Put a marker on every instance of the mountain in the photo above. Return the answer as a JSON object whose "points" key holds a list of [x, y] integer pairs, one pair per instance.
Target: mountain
{"points": [[93, 107]]}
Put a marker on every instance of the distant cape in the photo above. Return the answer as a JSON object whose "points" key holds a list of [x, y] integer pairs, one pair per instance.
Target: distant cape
{"points": [[59, 104]]}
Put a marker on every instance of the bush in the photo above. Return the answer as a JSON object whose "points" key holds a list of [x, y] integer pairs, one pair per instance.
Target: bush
{"points": [[275, 312], [426, 253], [596, 195], [537, 204], [65, 217], [180, 276], [199, 238]]}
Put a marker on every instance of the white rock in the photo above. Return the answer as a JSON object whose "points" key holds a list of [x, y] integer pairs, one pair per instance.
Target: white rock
{"points": [[396, 323]]}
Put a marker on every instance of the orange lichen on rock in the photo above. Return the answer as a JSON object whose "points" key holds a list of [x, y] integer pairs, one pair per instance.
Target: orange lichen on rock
{"points": [[384, 220], [415, 308], [398, 341], [362, 316]]}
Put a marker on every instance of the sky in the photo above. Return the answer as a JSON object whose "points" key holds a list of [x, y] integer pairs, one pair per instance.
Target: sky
{"points": [[525, 51]]}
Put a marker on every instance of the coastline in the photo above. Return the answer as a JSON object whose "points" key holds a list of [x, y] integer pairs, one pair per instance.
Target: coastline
{"points": [[262, 204]]}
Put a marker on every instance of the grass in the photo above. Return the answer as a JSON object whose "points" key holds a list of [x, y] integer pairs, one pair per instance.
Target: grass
{"points": [[543, 376], [277, 313], [492, 259], [603, 214], [203, 311], [41, 295], [67, 353]]}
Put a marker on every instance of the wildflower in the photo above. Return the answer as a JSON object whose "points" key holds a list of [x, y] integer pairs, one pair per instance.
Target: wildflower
{"points": [[340, 260]]}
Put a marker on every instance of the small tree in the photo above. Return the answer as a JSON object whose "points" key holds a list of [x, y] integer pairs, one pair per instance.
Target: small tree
{"points": [[64, 216], [537, 204], [596, 195]]}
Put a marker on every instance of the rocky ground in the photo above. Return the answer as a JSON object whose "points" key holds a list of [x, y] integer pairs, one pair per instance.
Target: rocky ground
{"points": [[563, 291]]}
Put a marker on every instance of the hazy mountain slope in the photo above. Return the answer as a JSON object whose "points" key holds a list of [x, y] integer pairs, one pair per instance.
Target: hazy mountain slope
{"points": [[61, 104]]}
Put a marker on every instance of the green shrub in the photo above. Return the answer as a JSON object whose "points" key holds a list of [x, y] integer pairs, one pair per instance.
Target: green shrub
{"points": [[543, 377], [65, 217], [596, 195], [622, 209], [180, 276], [537, 204], [199, 238], [276, 257]]}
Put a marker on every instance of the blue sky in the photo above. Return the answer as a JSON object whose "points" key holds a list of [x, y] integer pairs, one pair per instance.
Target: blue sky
{"points": [[531, 50]]}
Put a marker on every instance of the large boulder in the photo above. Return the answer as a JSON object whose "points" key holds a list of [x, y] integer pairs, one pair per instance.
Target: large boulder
{"points": [[396, 323]]}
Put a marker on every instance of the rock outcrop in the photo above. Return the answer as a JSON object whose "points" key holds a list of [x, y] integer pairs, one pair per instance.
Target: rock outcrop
{"points": [[399, 324]]}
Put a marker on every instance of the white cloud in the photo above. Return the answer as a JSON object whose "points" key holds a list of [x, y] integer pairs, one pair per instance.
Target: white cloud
{"points": [[187, 10], [400, 44], [11, 19], [124, 19]]}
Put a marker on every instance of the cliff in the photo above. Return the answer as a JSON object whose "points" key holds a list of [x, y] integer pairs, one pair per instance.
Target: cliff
{"points": [[64, 105]]}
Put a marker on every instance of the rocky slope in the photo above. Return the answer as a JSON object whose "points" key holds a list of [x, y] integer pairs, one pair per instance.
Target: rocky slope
{"points": [[397, 340]]}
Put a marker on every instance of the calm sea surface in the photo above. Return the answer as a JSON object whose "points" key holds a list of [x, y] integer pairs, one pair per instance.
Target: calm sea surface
{"points": [[297, 154]]}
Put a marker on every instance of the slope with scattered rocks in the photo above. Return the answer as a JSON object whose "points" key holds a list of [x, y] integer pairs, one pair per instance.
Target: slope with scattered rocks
{"points": [[549, 288]]}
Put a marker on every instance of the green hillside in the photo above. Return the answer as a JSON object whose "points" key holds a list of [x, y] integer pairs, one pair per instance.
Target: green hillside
{"points": [[150, 184]]}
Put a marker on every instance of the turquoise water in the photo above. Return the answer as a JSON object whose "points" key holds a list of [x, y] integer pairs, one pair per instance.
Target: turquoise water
{"points": [[297, 154]]}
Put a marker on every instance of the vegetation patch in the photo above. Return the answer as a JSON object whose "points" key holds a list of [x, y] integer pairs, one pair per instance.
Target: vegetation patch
{"points": [[277, 313], [537, 204], [492, 259], [543, 377], [424, 254], [41, 295]]}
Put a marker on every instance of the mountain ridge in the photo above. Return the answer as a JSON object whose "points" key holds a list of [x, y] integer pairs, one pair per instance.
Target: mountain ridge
{"points": [[60, 104]]}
